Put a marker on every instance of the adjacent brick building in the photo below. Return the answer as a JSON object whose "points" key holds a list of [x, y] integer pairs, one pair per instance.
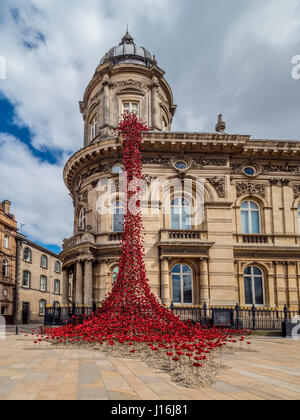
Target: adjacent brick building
{"points": [[8, 231], [39, 281]]}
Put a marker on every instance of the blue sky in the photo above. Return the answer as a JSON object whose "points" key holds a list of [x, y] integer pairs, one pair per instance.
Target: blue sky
{"points": [[227, 57]]}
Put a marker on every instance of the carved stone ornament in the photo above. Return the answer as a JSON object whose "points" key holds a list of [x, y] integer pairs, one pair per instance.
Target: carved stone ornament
{"points": [[204, 161], [296, 188], [157, 160], [286, 167], [218, 184], [130, 82], [250, 188]]}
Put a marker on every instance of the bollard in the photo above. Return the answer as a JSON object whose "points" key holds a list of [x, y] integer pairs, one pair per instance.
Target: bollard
{"points": [[17, 330]]}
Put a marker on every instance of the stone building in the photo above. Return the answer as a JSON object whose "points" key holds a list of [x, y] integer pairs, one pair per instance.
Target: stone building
{"points": [[8, 230], [39, 281], [246, 249]]}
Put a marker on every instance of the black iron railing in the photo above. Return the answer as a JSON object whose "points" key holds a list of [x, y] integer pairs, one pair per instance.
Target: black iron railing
{"points": [[63, 315], [236, 317], [251, 318]]}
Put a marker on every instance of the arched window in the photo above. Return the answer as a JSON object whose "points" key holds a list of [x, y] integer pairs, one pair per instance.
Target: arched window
{"points": [[6, 241], [94, 128], [43, 283], [117, 169], [42, 307], [182, 284], [57, 287], [27, 255], [254, 286], [26, 279], [57, 266], [250, 217], [82, 219], [5, 268], [44, 261], [180, 213], [118, 216], [115, 272]]}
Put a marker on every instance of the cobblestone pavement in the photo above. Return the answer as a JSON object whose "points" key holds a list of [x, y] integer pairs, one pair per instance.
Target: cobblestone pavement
{"points": [[28, 372]]}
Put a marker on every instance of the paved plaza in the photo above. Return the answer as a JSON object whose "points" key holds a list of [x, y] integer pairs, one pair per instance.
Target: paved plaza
{"points": [[28, 372]]}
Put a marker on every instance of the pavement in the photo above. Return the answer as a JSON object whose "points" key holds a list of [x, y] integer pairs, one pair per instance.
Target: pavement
{"points": [[30, 372]]}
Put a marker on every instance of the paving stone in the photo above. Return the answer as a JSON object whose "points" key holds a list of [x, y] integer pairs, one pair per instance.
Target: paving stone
{"points": [[92, 394]]}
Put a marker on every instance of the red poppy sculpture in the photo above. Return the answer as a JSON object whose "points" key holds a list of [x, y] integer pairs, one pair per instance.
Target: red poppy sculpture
{"points": [[131, 314]]}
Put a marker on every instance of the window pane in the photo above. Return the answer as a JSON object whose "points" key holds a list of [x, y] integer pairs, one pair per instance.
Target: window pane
{"points": [[256, 271], [255, 222], [187, 289], [248, 270], [118, 222], [115, 273], [253, 205], [176, 269], [176, 289], [244, 205], [186, 269], [259, 296], [186, 219], [175, 220], [245, 224], [248, 291]]}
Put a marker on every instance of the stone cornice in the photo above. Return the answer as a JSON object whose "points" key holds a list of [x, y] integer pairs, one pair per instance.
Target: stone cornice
{"points": [[205, 144]]}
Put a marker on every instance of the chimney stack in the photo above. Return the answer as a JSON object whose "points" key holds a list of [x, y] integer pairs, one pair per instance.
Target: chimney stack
{"points": [[6, 206]]}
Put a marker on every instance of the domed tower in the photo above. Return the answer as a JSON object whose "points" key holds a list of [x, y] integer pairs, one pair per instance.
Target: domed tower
{"points": [[126, 79]]}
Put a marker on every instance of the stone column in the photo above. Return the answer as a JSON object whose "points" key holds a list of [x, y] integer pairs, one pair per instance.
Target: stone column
{"points": [[204, 283], [79, 286], [88, 283], [106, 103], [155, 106], [65, 288], [165, 282]]}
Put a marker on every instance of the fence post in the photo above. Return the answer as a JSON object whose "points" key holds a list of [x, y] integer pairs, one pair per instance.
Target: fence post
{"points": [[237, 308], [172, 307], [285, 310], [205, 313], [17, 330], [253, 317]]}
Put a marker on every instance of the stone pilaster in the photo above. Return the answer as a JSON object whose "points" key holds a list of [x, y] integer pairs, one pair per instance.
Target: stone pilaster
{"points": [[165, 282], [88, 282], [204, 281], [78, 284], [65, 291]]}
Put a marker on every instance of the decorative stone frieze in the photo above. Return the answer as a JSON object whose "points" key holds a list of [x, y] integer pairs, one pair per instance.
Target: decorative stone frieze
{"points": [[250, 188]]}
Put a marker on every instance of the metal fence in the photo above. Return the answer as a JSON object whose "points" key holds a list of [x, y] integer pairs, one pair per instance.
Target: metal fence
{"points": [[63, 315], [252, 318]]}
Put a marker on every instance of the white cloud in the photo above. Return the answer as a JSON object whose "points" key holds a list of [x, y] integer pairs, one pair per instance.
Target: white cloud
{"points": [[36, 190]]}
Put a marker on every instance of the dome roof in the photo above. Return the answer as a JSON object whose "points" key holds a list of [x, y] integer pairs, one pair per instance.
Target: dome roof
{"points": [[128, 52]]}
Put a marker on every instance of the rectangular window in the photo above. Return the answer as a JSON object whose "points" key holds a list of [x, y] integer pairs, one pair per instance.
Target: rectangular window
{"points": [[42, 307], [26, 279], [176, 289], [245, 224], [131, 107], [43, 284], [57, 287], [248, 291], [6, 240]]}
